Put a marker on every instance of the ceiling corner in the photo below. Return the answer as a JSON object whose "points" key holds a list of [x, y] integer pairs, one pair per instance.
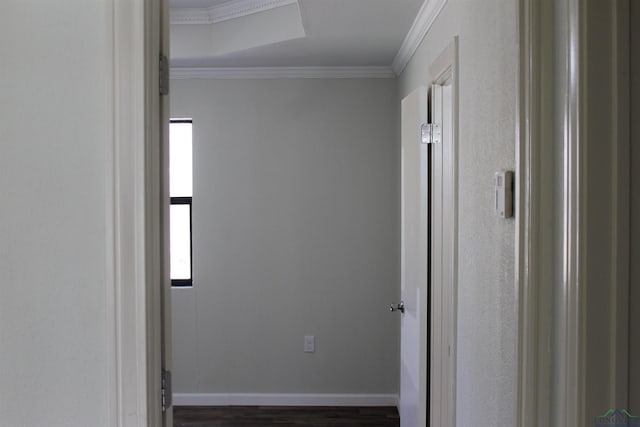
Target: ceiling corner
{"points": [[424, 20], [225, 11]]}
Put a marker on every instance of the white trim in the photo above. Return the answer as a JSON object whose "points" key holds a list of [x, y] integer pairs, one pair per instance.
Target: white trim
{"points": [[590, 346], [596, 209], [445, 157], [283, 399], [155, 205], [225, 11], [573, 358], [534, 205], [373, 72], [621, 200], [426, 17], [127, 305]]}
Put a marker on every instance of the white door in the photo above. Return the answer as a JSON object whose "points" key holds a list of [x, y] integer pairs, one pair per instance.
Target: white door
{"points": [[427, 350], [414, 267]]}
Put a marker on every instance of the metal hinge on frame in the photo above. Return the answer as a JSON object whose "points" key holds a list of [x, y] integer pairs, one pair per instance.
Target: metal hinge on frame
{"points": [[164, 75], [166, 390], [431, 133]]}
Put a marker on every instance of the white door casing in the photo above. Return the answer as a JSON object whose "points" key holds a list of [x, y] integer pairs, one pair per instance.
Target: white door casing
{"points": [[140, 201], [156, 165], [138, 214], [579, 357], [442, 303], [444, 196]]}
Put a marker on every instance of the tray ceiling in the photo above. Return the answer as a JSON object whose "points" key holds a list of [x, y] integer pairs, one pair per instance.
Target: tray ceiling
{"points": [[329, 32]]}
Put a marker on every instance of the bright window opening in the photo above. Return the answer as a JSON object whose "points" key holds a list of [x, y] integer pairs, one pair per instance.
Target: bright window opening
{"points": [[181, 192]]}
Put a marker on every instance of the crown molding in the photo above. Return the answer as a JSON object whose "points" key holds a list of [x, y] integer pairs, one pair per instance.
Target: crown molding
{"points": [[223, 12], [372, 72], [426, 16]]}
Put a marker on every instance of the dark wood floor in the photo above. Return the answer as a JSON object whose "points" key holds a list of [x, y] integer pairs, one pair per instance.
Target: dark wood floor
{"points": [[256, 416]]}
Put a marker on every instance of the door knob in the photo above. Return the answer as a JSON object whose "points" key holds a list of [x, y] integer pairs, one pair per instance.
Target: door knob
{"points": [[399, 307]]}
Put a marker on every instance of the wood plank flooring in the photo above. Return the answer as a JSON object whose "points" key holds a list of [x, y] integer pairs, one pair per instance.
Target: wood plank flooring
{"points": [[257, 416]]}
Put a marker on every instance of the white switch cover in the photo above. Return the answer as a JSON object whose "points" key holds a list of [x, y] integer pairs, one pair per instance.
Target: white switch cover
{"points": [[503, 194], [309, 344]]}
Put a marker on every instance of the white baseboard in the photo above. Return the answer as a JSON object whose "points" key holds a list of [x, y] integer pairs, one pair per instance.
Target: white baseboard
{"points": [[281, 399]]}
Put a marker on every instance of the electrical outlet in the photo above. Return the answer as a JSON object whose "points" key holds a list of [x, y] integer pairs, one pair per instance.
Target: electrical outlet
{"points": [[309, 344]]}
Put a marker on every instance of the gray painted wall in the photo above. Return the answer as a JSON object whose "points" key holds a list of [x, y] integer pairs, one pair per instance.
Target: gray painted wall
{"points": [[634, 356], [295, 224], [486, 382]]}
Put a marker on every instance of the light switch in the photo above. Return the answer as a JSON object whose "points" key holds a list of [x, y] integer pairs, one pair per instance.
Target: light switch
{"points": [[503, 194]]}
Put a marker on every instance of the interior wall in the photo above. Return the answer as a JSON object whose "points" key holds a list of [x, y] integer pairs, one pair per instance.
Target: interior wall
{"points": [[634, 330], [295, 232], [55, 129], [487, 322]]}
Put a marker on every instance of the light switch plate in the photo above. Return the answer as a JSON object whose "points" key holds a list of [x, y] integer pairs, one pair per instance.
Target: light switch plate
{"points": [[503, 193]]}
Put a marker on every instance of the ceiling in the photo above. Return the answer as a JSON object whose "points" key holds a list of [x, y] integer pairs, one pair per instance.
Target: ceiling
{"points": [[335, 33]]}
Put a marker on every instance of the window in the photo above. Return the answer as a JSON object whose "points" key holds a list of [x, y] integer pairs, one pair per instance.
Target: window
{"points": [[181, 192]]}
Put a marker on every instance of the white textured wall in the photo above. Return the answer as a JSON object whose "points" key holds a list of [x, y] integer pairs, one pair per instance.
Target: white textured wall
{"points": [[486, 360], [55, 125], [295, 228]]}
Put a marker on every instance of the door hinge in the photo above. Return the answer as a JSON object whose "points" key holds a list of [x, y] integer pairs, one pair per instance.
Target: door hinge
{"points": [[164, 75], [431, 133], [166, 390]]}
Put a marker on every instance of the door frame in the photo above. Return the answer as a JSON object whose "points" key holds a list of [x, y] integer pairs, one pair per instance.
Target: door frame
{"points": [[137, 248], [533, 202], [442, 404], [569, 379], [128, 301]]}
